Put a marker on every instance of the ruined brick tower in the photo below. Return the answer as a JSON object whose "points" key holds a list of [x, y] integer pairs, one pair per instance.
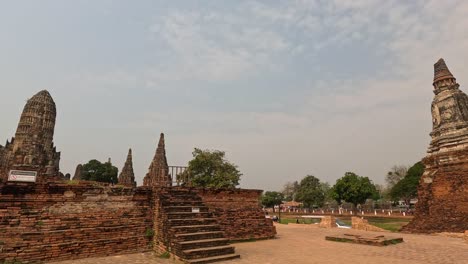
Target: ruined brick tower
{"points": [[32, 148], [158, 174], [443, 190], [127, 176]]}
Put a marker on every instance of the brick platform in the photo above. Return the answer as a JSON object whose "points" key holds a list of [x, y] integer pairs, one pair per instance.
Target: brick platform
{"points": [[63, 221], [238, 212]]}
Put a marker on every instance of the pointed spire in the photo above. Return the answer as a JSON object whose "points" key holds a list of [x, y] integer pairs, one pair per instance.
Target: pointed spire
{"points": [[161, 143], [158, 171], [129, 156], [441, 71], [127, 176]]}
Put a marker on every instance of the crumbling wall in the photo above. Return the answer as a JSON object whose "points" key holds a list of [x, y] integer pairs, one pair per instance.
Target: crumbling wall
{"points": [[328, 222], [43, 222], [239, 213], [443, 194], [359, 223]]}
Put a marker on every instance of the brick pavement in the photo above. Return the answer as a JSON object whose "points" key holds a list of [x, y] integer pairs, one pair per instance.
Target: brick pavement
{"points": [[307, 244]]}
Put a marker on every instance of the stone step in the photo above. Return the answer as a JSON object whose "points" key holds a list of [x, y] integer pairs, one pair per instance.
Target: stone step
{"points": [[213, 259], [207, 252], [192, 221], [195, 228], [199, 235], [203, 243], [184, 208], [186, 215]]}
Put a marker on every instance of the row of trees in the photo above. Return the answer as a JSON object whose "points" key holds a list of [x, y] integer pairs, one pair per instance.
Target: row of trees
{"points": [[402, 184], [351, 188]]}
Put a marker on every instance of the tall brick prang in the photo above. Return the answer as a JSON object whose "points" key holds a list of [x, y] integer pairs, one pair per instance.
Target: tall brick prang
{"points": [[32, 147], [158, 174], [443, 191], [127, 176]]}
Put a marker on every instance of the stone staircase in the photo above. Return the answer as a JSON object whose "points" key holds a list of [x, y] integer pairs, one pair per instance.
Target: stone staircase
{"points": [[193, 233]]}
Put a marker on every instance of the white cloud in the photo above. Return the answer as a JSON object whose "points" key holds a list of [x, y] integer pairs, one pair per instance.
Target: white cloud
{"points": [[364, 123], [208, 45]]}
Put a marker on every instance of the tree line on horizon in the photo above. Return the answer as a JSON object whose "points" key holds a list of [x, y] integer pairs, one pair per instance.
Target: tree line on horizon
{"points": [[402, 184]]}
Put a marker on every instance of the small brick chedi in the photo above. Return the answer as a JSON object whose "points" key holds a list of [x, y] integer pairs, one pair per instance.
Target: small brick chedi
{"points": [[32, 147], [158, 173], [127, 176], [443, 191]]}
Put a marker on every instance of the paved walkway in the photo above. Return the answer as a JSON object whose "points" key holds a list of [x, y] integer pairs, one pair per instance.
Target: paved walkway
{"points": [[307, 244]]}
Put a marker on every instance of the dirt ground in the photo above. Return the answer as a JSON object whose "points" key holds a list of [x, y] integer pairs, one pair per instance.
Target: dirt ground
{"points": [[307, 244]]}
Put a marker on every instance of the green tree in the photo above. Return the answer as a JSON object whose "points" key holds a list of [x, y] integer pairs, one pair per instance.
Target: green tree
{"points": [[94, 170], [407, 188], [310, 192], [353, 188], [270, 199], [211, 169]]}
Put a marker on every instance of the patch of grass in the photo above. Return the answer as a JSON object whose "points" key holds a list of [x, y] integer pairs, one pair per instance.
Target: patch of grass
{"points": [[306, 221], [149, 233], [39, 223], [12, 262], [72, 182], [165, 255], [391, 226], [387, 223]]}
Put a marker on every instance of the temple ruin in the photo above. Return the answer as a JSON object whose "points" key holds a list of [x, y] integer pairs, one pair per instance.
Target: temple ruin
{"points": [[78, 172], [443, 191], [32, 147], [127, 176], [53, 219], [158, 172]]}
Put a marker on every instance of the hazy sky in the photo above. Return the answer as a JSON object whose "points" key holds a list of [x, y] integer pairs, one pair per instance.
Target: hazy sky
{"points": [[286, 88]]}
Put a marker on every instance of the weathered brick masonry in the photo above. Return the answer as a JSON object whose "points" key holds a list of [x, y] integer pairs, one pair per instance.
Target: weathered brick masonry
{"points": [[58, 221], [443, 190], [238, 212]]}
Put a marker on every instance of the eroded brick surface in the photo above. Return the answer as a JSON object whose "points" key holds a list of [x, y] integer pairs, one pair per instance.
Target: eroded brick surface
{"points": [[61, 221], [443, 192], [239, 213]]}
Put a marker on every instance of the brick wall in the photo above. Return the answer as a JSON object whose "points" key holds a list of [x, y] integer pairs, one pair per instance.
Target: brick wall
{"points": [[238, 212], [60, 221], [360, 223], [443, 194], [328, 222], [41, 222]]}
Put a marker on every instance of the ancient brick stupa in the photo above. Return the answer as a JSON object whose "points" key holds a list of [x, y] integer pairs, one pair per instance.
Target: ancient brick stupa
{"points": [[78, 173], [443, 191], [127, 176], [32, 148], [158, 174]]}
